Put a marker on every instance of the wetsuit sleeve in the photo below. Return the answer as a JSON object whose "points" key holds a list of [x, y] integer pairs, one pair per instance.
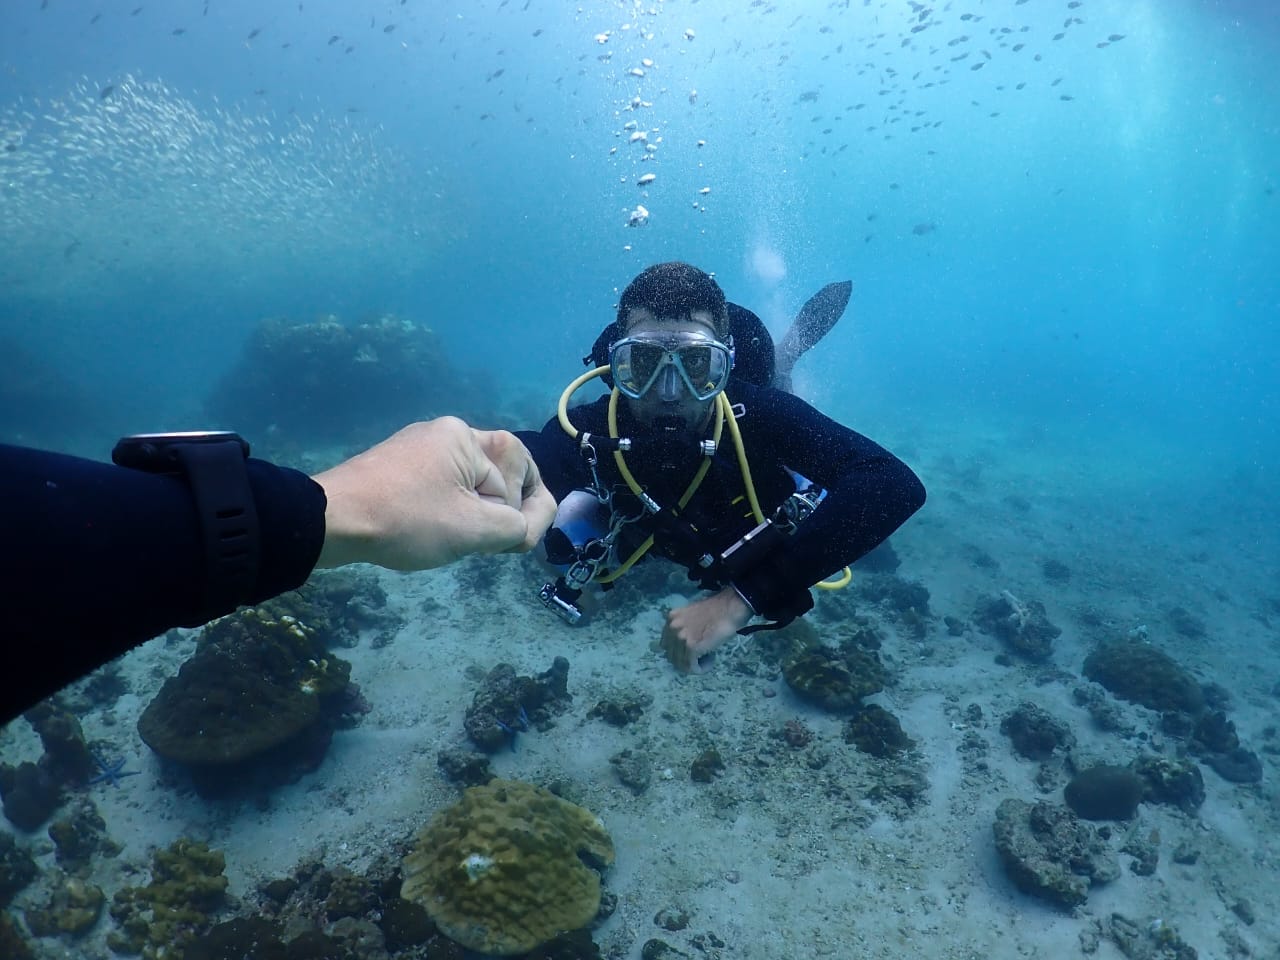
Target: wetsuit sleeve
{"points": [[99, 558], [870, 493]]}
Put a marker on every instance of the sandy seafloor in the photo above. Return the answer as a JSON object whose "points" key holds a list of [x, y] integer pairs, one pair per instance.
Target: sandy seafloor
{"points": [[784, 856]]}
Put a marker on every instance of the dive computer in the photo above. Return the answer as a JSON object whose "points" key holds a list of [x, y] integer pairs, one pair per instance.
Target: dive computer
{"points": [[213, 465]]}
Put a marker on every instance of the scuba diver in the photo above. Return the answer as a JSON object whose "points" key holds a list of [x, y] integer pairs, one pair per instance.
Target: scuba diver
{"points": [[786, 501]]}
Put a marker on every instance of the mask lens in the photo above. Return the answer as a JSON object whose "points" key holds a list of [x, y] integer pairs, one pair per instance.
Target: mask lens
{"points": [[634, 365], [646, 358], [697, 363], [702, 366]]}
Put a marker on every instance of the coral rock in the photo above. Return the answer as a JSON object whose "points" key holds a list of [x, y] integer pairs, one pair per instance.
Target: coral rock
{"points": [[1173, 781], [17, 868], [254, 683], [1022, 624], [835, 680], [1105, 792], [1047, 852], [1140, 673], [73, 908], [1035, 734], [502, 870], [160, 919]]}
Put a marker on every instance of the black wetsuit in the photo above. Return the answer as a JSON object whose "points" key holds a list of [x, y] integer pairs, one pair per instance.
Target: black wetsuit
{"points": [[870, 492], [99, 558]]}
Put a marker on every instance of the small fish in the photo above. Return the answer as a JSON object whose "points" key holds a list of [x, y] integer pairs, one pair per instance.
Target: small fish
{"points": [[253, 33], [334, 39], [1066, 96], [94, 19], [106, 91], [920, 229], [389, 28], [1115, 37], [135, 11], [178, 31], [536, 33], [647, 179]]}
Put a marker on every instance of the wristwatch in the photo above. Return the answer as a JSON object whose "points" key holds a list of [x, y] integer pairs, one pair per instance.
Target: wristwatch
{"points": [[213, 464]]}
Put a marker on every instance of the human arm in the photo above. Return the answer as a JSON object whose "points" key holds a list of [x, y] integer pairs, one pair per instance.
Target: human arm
{"points": [[698, 628], [100, 558], [431, 494], [870, 494], [556, 454]]}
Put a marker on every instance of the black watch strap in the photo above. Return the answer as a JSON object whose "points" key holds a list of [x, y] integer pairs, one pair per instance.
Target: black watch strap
{"points": [[214, 465], [219, 482]]}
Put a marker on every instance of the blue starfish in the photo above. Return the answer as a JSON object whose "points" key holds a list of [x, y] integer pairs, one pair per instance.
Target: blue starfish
{"points": [[112, 771]]}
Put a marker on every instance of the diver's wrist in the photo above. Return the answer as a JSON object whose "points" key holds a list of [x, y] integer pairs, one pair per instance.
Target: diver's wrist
{"points": [[748, 611]]}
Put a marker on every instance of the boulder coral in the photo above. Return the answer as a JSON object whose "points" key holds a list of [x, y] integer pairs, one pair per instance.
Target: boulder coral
{"points": [[505, 869], [254, 683]]}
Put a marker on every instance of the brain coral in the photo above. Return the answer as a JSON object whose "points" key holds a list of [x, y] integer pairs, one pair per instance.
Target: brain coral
{"points": [[502, 870]]}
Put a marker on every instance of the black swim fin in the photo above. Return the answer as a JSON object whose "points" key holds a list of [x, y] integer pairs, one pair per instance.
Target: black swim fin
{"points": [[812, 323]]}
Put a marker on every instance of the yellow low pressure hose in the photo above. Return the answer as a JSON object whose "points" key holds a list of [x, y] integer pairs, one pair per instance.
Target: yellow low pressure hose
{"points": [[724, 414]]}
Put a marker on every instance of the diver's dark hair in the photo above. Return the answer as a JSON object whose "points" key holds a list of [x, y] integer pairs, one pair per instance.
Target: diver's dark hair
{"points": [[673, 291]]}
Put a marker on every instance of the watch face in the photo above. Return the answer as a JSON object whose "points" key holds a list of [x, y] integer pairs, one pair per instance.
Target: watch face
{"points": [[155, 451], [182, 436]]}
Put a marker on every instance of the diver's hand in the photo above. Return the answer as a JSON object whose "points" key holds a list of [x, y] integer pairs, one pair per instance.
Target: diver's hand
{"points": [[694, 630], [432, 493]]}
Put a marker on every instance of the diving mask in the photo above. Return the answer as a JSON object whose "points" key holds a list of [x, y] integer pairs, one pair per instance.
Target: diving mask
{"points": [[700, 362]]}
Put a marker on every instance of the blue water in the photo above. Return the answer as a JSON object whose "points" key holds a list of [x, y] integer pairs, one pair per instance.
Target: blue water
{"points": [[1103, 266]]}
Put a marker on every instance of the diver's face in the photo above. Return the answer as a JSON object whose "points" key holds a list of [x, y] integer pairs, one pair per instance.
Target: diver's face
{"points": [[669, 405]]}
